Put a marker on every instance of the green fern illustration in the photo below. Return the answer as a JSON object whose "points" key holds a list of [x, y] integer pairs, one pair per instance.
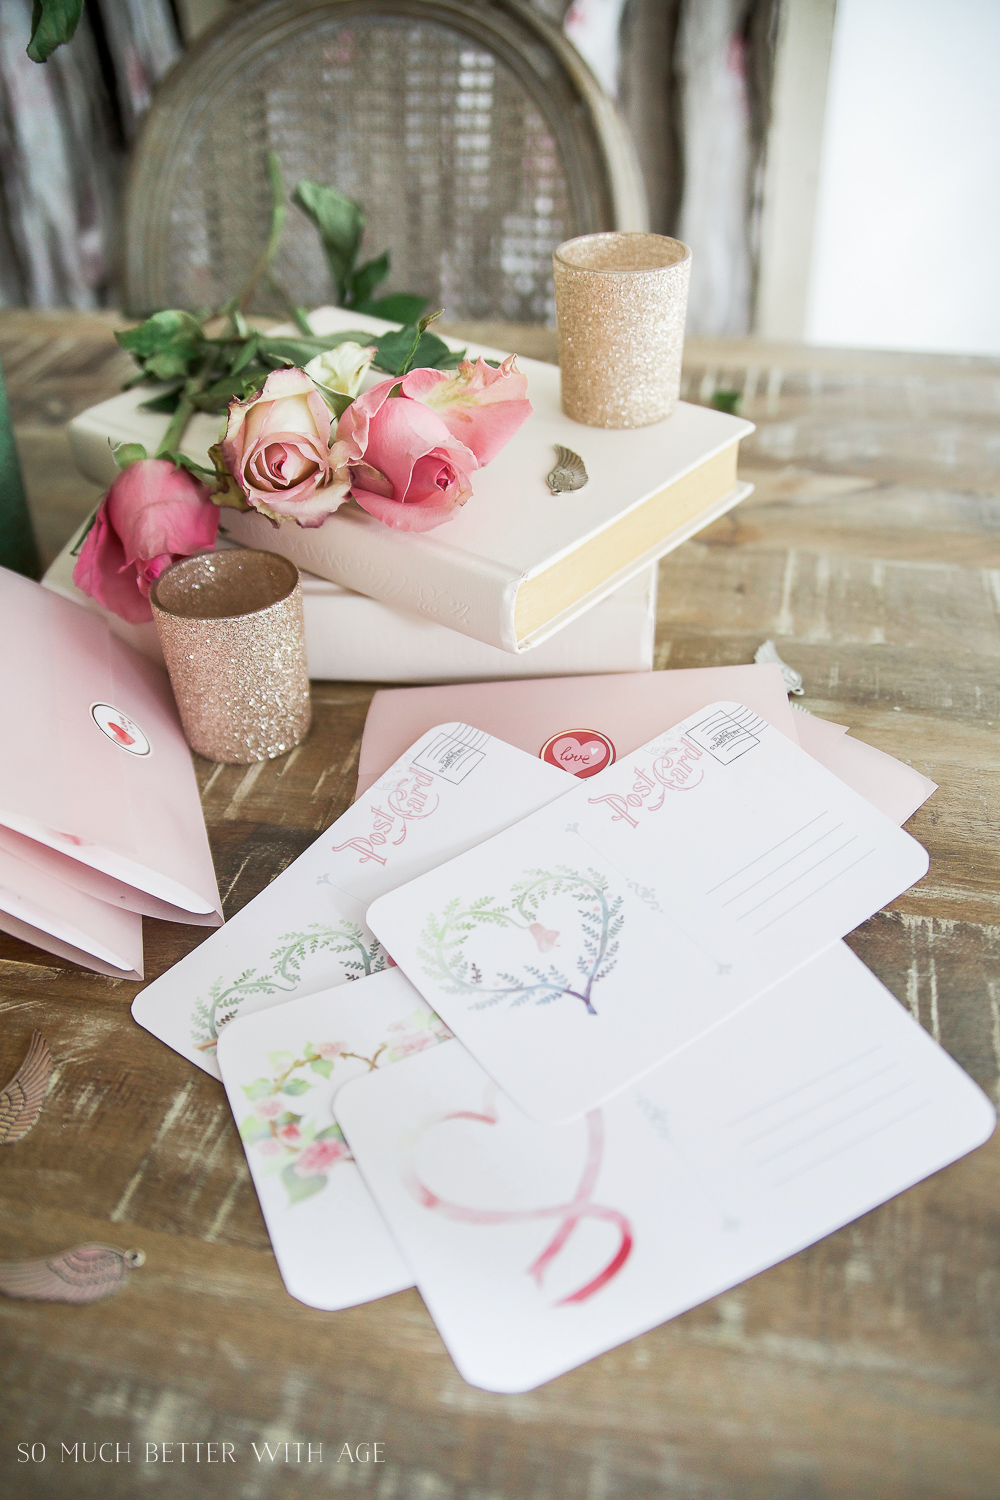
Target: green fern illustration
{"points": [[443, 940], [346, 939]]}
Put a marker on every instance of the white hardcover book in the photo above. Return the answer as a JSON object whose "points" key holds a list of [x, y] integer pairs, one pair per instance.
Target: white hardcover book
{"points": [[517, 563], [350, 638]]}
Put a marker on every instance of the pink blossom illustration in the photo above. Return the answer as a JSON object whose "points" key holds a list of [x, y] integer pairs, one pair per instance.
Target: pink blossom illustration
{"points": [[319, 1156]]}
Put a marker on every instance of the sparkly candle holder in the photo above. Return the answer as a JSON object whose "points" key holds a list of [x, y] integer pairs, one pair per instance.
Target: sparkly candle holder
{"points": [[621, 301], [230, 624]]}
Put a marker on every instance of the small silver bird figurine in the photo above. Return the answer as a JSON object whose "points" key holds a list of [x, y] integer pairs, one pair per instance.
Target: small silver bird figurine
{"points": [[82, 1274], [21, 1099], [570, 472]]}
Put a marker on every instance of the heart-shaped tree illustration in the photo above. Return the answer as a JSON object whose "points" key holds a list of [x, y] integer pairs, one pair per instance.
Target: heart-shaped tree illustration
{"points": [[444, 940]]}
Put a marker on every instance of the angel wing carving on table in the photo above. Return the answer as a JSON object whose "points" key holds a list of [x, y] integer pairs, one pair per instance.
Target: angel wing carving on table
{"points": [[21, 1099], [85, 1273]]}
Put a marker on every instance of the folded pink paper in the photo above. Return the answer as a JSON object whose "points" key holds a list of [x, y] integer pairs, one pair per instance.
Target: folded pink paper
{"points": [[97, 787]]}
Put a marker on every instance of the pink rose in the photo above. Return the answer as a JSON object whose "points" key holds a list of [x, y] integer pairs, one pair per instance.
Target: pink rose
{"points": [[277, 447], [153, 514], [268, 1148], [479, 405], [406, 468], [267, 1109], [290, 1134], [319, 1156], [330, 1050]]}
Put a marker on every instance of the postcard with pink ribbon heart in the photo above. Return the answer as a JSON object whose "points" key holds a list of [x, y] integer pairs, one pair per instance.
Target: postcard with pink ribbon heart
{"points": [[587, 943], [537, 1247]]}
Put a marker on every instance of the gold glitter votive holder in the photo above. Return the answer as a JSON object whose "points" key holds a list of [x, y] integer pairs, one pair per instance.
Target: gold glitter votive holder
{"points": [[621, 302], [230, 625]]}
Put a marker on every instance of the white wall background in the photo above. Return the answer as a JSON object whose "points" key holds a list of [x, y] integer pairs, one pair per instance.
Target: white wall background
{"points": [[906, 249]]}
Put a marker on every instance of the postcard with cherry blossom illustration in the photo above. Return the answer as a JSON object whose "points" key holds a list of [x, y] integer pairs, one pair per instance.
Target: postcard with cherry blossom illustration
{"points": [[282, 1069], [305, 932], [589, 942], [537, 1247]]}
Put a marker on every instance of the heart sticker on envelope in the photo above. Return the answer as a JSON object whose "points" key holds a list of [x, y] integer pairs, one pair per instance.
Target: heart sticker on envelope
{"points": [[581, 752]]}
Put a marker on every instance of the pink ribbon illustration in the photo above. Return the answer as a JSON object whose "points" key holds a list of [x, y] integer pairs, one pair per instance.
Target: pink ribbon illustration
{"points": [[569, 1214]]}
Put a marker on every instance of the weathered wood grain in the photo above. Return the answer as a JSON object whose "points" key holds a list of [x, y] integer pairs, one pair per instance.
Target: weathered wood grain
{"points": [[864, 1367]]}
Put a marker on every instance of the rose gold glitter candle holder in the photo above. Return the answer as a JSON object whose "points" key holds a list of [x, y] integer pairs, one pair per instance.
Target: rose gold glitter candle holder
{"points": [[230, 624], [621, 301]]}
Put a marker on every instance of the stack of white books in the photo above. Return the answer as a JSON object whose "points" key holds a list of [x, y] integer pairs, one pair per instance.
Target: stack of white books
{"points": [[521, 582]]}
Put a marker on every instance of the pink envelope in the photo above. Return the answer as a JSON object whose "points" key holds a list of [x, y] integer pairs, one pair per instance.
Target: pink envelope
{"points": [[894, 788], [579, 723], [96, 778]]}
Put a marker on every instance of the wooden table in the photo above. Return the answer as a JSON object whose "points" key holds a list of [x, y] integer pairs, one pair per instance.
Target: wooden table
{"points": [[865, 1366]]}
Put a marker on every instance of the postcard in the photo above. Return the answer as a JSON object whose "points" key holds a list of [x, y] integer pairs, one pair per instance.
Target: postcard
{"points": [[586, 944], [537, 1247]]}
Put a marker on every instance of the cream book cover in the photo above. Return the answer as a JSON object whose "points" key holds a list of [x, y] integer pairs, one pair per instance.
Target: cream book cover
{"points": [[351, 638]]}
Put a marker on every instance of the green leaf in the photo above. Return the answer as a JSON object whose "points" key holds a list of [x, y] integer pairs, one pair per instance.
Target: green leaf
{"points": [[338, 404], [181, 461], [301, 1187], [411, 348], [727, 401], [245, 355], [296, 1086], [331, 1133], [340, 223], [52, 23], [166, 401], [216, 397], [168, 344], [258, 1089], [253, 1130], [128, 453], [367, 277], [398, 307], [322, 1065]]}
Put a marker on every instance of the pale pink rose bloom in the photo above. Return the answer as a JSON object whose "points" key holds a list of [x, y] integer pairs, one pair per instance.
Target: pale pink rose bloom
{"points": [[153, 514], [268, 1148], [407, 470], [319, 1156], [290, 1134], [479, 405], [277, 447], [267, 1109], [331, 1049]]}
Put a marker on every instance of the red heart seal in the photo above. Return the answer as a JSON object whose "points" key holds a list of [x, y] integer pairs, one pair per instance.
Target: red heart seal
{"points": [[581, 752]]}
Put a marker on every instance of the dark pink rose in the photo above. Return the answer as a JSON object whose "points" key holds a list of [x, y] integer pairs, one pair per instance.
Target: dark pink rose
{"points": [[479, 405], [407, 470], [320, 1156], [277, 448], [290, 1134], [153, 514]]}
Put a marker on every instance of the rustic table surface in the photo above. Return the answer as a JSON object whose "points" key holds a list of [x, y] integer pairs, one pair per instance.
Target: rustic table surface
{"points": [[865, 1366]]}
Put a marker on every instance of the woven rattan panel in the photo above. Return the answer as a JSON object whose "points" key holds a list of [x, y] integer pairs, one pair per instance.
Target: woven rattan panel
{"points": [[471, 166]]}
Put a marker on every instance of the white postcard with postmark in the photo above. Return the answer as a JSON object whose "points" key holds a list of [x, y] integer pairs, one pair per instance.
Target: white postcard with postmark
{"points": [[585, 944]]}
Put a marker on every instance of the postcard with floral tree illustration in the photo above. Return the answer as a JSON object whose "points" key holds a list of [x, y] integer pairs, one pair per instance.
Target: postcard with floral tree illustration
{"points": [[576, 950], [537, 1247], [306, 931], [282, 1069]]}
